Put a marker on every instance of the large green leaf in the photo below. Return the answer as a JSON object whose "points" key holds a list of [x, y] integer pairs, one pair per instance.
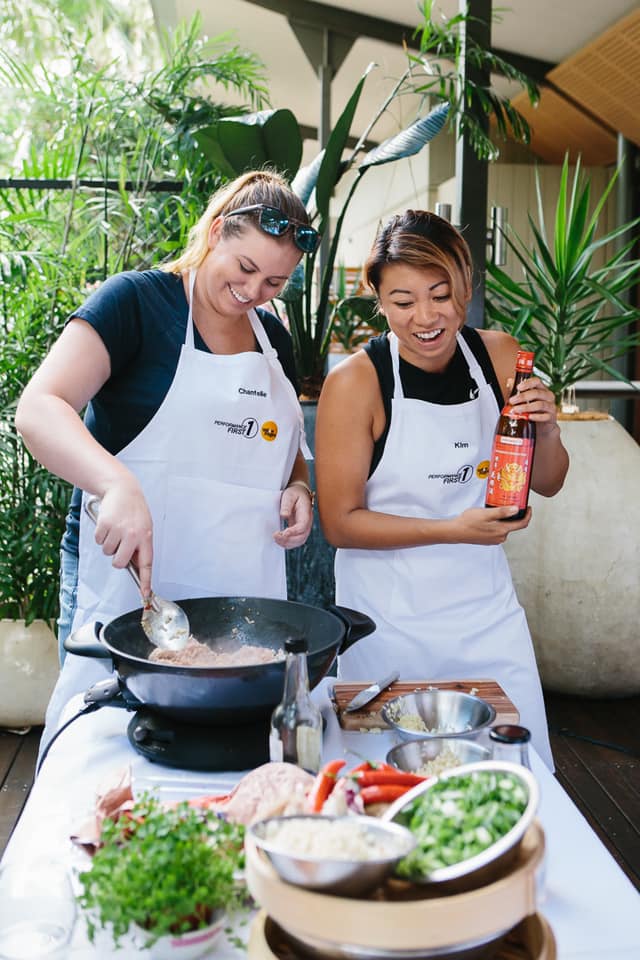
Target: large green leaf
{"points": [[266, 138], [408, 142], [332, 167], [304, 182], [208, 141]]}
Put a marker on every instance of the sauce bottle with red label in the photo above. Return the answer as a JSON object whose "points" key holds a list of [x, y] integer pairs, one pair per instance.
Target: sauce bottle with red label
{"points": [[512, 454]]}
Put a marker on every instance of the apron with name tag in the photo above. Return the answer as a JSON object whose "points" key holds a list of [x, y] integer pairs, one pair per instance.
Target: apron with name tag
{"points": [[442, 611], [212, 463]]}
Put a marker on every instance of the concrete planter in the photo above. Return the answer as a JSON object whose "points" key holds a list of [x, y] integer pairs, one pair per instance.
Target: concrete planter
{"points": [[30, 667], [576, 568]]}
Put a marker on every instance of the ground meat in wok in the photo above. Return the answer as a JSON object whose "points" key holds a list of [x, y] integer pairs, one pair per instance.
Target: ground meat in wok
{"points": [[196, 654]]}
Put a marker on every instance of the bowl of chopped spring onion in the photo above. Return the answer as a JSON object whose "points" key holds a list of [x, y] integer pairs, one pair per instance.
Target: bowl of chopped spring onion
{"points": [[468, 823]]}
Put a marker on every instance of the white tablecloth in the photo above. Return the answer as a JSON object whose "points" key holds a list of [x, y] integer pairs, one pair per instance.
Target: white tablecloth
{"points": [[592, 907]]}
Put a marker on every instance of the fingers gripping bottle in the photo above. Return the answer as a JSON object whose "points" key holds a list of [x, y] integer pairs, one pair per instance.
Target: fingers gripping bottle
{"points": [[512, 454]]}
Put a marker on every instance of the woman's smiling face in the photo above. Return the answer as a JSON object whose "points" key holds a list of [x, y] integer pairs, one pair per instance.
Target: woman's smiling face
{"points": [[244, 270], [420, 310]]}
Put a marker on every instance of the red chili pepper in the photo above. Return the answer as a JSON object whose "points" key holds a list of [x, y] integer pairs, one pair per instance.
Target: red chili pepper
{"points": [[324, 783], [371, 765], [368, 778], [383, 793]]}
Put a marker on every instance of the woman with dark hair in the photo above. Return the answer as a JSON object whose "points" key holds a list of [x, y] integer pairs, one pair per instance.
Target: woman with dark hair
{"points": [[193, 437], [403, 440]]}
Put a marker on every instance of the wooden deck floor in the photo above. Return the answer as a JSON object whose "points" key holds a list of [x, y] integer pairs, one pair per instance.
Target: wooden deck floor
{"points": [[18, 754], [604, 782]]}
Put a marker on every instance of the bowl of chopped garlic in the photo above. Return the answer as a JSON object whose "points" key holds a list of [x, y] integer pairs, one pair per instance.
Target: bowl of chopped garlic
{"points": [[437, 713], [431, 756]]}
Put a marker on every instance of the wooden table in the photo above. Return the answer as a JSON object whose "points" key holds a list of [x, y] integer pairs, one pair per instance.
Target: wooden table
{"points": [[591, 906]]}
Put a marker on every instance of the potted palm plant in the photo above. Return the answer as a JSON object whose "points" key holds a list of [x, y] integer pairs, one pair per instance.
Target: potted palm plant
{"points": [[33, 505], [575, 567]]}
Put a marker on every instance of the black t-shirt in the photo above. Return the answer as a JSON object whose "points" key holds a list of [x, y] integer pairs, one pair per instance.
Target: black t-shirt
{"points": [[141, 317], [453, 385]]}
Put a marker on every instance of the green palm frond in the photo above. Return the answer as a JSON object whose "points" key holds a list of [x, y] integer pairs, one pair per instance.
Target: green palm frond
{"points": [[575, 315]]}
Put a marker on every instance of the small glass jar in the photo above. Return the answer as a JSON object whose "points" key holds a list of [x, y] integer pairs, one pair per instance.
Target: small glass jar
{"points": [[509, 741]]}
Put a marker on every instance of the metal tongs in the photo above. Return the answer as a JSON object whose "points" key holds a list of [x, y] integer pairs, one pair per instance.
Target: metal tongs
{"points": [[164, 622]]}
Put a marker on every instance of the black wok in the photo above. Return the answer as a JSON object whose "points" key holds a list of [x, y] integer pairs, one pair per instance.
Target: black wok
{"points": [[219, 695]]}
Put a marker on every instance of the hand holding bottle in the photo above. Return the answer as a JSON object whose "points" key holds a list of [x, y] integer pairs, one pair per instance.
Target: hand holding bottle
{"points": [[533, 398], [488, 527]]}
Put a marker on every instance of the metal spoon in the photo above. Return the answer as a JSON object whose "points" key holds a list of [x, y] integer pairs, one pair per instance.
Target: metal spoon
{"points": [[164, 622]]}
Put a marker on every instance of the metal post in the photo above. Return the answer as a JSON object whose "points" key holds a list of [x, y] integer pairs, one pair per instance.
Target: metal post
{"points": [[498, 242], [443, 210], [325, 51], [325, 76], [471, 172], [622, 410]]}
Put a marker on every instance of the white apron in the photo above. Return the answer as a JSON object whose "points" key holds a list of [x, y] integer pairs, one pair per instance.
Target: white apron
{"points": [[212, 463], [445, 611]]}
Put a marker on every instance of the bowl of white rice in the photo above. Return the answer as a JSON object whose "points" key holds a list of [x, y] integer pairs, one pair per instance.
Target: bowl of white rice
{"points": [[437, 713], [431, 756], [345, 856]]}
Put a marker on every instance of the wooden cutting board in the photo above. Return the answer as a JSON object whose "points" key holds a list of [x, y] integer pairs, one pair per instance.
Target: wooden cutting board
{"points": [[369, 717]]}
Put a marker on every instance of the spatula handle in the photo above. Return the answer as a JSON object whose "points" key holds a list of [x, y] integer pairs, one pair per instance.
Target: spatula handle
{"points": [[92, 509]]}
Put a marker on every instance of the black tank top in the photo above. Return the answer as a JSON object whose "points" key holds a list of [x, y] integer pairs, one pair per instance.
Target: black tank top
{"points": [[453, 385]]}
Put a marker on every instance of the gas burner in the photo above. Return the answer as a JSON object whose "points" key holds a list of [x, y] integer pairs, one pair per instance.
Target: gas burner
{"points": [[190, 746]]}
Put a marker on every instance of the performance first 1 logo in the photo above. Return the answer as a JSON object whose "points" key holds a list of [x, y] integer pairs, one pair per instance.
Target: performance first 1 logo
{"points": [[249, 428]]}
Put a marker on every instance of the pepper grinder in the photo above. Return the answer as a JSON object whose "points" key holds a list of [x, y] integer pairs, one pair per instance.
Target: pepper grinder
{"points": [[509, 741]]}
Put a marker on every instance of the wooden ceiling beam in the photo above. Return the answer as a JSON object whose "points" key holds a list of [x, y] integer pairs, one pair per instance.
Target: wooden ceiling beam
{"points": [[349, 23]]}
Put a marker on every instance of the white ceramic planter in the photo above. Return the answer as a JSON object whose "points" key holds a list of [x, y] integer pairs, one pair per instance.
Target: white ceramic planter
{"points": [[577, 567], [188, 946], [29, 670]]}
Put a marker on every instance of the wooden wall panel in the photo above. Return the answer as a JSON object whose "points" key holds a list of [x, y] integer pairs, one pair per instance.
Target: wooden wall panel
{"points": [[557, 127], [605, 77]]}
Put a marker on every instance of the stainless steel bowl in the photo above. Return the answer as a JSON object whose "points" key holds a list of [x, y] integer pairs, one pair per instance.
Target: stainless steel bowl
{"points": [[491, 863], [351, 878], [441, 713], [414, 754]]}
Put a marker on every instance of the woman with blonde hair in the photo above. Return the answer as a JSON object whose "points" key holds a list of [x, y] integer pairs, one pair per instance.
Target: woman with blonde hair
{"points": [[193, 437], [403, 441]]}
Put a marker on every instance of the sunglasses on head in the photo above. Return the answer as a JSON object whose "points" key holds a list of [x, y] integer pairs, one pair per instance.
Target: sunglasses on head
{"points": [[275, 223]]}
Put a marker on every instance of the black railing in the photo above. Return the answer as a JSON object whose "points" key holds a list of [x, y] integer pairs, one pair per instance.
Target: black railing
{"points": [[166, 186], [608, 388]]}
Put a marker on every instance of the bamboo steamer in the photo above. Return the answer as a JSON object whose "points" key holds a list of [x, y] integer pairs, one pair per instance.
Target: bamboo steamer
{"points": [[532, 939], [464, 926]]}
